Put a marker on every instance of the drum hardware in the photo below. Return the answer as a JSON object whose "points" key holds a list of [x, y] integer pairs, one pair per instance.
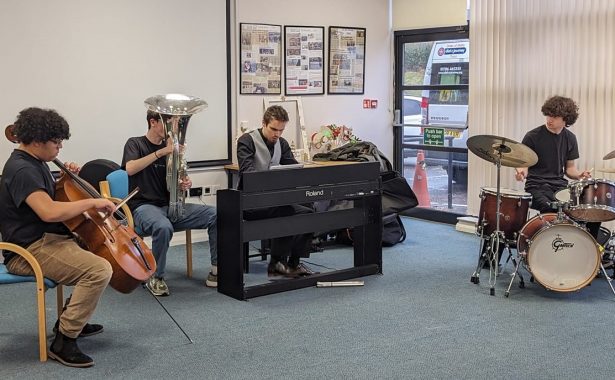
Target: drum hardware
{"points": [[506, 152]]}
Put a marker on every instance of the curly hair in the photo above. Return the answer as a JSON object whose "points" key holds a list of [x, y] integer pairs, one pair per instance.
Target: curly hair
{"points": [[560, 106], [275, 113], [40, 125]]}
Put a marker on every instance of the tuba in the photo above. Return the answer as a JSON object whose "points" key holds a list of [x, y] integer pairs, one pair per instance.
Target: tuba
{"points": [[178, 109]]}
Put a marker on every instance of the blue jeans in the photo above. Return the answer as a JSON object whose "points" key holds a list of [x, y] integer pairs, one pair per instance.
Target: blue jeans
{"points": [[152, 221]]}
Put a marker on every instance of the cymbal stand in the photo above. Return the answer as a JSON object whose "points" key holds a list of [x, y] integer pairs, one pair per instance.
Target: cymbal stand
{"points": [[497, 237], [607, 277], [497, 234]]}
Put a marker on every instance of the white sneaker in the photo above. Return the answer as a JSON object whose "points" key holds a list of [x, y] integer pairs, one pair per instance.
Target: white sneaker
{"points": [[157, 286], [212, 280]]}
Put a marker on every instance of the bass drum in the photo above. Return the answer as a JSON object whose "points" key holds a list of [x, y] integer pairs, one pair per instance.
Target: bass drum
{"points": [[563, 257], [532, 226]]}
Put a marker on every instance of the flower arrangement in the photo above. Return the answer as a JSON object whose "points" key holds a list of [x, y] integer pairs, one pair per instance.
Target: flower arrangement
{"points": [[332, 136]]}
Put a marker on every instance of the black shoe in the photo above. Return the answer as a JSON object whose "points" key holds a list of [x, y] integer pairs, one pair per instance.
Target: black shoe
{"points": [[88, 329], [301, 270], [278, 269], [66, 351]]}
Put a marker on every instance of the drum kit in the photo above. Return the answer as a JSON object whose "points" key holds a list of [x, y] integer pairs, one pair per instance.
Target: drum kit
{"points": [[555, 248]]}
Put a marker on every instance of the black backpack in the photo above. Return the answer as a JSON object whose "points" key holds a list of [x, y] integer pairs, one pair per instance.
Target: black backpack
{"points": [[397, 195]]}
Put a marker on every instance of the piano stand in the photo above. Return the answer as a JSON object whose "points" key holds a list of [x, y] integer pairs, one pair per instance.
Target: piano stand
{"points": [[358, 182]]}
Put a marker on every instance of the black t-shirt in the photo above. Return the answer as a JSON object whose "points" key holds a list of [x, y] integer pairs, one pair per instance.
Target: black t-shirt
{"points": [[553, 151], [151, 180], [24, 174]]}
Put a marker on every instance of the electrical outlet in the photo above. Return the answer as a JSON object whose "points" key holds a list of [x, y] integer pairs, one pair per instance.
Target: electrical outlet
{"points": [[206, 190], [196, 191]]}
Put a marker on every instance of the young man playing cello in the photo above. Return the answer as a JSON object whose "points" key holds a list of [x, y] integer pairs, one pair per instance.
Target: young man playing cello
{"points": [[32, 219]]}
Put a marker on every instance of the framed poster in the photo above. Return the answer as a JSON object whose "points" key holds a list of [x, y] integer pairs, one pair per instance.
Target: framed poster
{"points": [[304, 60], [260, 61], [346, 60]]}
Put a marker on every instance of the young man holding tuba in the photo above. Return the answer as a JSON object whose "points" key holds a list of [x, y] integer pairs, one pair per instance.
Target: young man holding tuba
{"points": [[32, 218], [145, 161]]}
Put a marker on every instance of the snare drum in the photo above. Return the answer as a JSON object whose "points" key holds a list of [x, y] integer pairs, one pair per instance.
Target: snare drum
{"points": [[592, 200], [514, 207], [563, 257]]}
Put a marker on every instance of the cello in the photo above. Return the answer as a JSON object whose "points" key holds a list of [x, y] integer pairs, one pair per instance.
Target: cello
{"points": [[131, 259]]}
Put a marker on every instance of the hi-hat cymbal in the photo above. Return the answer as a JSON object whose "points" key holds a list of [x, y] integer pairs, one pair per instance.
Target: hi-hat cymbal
{"points": [[606, 170], [609, 156], [508, 152]]}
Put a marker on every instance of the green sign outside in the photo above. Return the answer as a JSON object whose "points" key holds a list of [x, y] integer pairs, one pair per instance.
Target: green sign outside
{"points": [[433, 136]]}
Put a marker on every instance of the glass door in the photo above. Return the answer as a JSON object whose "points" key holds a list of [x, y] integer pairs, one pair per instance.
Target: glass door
{"points": [[431, 123]]}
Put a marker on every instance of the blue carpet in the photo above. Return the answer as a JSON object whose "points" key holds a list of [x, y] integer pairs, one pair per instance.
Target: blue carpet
{"points": [[422, 319]]}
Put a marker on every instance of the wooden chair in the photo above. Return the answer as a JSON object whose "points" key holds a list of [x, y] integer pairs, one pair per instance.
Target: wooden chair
{"points": [[42, 284], [116, 188]]}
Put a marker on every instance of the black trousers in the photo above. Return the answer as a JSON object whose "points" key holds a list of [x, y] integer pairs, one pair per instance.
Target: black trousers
{"points": [[288, 249], [544, 195]]}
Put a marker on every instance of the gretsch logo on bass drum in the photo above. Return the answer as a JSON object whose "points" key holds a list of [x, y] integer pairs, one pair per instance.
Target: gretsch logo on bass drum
{"points": [[559, 244]]}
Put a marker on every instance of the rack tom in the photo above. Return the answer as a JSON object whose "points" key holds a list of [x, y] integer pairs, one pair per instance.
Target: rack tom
{"points": [[592, 200]]}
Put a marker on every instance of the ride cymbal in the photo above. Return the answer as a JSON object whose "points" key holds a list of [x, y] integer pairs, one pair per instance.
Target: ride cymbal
{"points": [[609, 156], [508, 152]]}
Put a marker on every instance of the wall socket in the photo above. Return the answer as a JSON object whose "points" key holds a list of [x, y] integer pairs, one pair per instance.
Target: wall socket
{"points": [[210, 189], [196, 191]]}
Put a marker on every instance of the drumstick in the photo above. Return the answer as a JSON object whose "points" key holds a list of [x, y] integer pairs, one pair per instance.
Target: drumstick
{"points": [[590, 172]]}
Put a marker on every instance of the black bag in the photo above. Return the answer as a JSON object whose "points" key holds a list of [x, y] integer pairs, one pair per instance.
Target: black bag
{"points": [[397, 195], [393, 230]]}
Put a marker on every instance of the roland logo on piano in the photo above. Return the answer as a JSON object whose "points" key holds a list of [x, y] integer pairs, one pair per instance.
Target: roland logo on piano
{"points": [[314, 193]]}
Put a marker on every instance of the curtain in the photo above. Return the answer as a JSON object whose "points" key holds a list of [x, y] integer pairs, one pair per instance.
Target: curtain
{"points": [[524, 51]]}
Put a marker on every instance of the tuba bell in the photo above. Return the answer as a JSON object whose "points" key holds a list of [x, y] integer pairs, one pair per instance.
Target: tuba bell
{"points": [[175, 111]]}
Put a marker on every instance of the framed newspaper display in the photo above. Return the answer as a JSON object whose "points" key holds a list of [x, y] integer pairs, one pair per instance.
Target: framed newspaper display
{"points": [[260, 66], [346, 60], [304, 60]]}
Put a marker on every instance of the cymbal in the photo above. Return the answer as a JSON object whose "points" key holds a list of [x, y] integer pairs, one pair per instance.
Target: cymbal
{"points": [[609, 156], [508, 152], [606, 170]]}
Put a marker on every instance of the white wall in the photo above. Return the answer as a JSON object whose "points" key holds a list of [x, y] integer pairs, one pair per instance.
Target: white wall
{"points": [[418, 14], [368, 124], [96, 61]]}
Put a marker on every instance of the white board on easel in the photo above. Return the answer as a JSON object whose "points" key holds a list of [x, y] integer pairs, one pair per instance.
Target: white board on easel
{"points": [[294, 132]]}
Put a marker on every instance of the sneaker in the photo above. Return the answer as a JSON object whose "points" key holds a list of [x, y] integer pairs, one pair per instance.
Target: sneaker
{"points": [[88, 329], [157, 286], [212, 280]]}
